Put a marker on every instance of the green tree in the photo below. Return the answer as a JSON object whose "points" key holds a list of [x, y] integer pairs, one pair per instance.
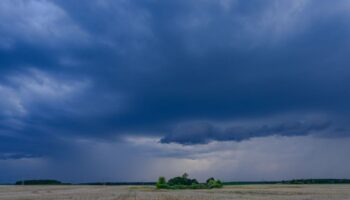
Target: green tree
{"points": [[219, 184], [212, 183], [161, 183], [182, 180], [210, 179]]}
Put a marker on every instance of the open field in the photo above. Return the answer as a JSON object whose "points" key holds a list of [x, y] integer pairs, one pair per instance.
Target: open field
{"points": [[249, 192]]}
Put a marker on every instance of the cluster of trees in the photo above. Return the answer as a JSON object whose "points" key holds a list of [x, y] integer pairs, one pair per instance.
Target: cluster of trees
{"points": [[183, 182]]}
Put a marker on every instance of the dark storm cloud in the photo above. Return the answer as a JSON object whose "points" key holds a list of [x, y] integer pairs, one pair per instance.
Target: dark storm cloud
{"points": [[105, 69], [202, 133], [15, 156]]}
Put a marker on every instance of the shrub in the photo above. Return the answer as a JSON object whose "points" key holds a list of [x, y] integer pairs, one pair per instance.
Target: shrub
{"points": [[210, 179], [161, 183], [181, 180], [212, 183]]}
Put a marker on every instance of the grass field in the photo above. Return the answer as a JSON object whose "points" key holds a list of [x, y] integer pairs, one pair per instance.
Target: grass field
{"points": [[249, 192]]}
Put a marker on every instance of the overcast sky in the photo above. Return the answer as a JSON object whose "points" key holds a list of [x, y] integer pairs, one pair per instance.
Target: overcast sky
{"points": [[120, 90]]}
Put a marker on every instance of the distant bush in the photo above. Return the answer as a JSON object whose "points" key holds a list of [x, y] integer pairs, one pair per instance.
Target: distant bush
{"points": [[214, 184], [183, 182], [161, 183], [210, 179]]}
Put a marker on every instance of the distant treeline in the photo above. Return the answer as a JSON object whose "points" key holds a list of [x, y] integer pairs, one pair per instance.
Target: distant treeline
{"points": [[55, 182], [296, 181], [317, 181], [39, 182]]}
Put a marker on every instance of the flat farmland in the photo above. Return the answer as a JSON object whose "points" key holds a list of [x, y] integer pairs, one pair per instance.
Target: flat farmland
{"points": [[246, 192]]}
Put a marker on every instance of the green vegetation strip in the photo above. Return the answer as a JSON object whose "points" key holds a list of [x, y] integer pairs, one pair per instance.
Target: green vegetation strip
{"points": [[183, 182]]}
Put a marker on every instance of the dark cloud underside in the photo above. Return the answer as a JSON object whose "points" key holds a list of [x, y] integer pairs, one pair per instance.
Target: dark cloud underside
{"points": [[187, 72]]}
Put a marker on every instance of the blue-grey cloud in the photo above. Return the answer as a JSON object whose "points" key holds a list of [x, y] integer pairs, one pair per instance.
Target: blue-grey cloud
{"points": [[5, 156], [202, 133], [105, 70]]}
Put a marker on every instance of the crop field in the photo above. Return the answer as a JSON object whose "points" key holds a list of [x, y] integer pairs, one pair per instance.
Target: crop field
{"points": [[247, 192]]}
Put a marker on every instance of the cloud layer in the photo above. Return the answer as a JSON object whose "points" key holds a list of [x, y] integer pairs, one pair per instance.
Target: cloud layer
{"points": [[199, 133], [183, 72]]}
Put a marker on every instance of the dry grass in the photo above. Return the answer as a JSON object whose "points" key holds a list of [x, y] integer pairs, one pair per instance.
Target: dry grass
{"points": [[248, 192]]}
